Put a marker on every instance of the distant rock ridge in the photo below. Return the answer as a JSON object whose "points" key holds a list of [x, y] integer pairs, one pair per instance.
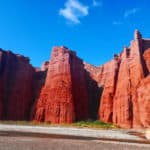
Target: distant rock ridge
{"points": [[66, 89]]}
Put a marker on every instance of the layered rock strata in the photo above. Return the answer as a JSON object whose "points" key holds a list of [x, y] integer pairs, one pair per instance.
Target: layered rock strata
{"points": [[16, 78], [121, 79], [64, 96], [66, 89]]}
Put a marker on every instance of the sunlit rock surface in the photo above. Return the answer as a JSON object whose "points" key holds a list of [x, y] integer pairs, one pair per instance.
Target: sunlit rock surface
{"points": [[64, 97], [66, 89]]}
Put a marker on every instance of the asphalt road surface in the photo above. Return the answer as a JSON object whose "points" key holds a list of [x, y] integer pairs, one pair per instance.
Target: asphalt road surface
{"points": [[29, 142]]}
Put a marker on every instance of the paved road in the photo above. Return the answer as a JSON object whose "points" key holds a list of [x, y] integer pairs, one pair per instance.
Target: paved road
{"points": [[14, 137], [72, 131], [52, 143]]}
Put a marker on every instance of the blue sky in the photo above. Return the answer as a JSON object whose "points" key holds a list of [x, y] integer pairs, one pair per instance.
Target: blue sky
{"points": [[95, 29]]}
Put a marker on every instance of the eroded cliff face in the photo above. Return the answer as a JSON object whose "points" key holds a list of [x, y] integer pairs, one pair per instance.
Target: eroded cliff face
{"points": [[123, 81], [16, 77], [132, 70], [106, 101], [143, 99], [126, 109], [65, 89], [64, 96], [106, 78], [113, 92]]}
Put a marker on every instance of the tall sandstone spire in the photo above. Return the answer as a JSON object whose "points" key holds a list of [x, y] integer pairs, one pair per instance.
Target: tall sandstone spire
{"points": [[64, 96], [125, 100]]}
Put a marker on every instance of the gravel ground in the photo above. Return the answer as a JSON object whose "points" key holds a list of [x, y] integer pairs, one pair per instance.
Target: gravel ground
{"points": [[36, 143]]}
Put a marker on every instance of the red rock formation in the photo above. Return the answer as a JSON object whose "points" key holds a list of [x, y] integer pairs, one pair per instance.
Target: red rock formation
{"points": [[143, 99], [45, 66], [124, 101], [147, 58], [121, 78], [64, 96], [106, 77], [106, 101], [39, 81], [66, 90], [131, 72], [16, 77], [94, 93]]}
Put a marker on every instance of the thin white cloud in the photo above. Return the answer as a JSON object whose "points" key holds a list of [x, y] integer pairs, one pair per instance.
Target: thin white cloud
{"points": [[127, 13], [73, 11], [131, 12], [97, 3], [117, 23]]}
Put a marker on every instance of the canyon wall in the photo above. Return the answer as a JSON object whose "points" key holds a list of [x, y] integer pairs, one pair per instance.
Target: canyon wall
{"points": [[16, 78], [66, 89], [125, 82], [64, 95]]}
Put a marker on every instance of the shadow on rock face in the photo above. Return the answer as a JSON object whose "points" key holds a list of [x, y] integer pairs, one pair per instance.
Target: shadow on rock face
{"points": [[94, 94]]}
